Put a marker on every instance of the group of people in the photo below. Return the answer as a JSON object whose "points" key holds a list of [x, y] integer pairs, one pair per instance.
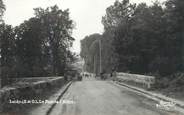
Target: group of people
{"points": [[103, 75]]}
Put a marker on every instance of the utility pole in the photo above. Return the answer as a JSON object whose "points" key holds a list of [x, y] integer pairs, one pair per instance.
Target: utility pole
{"points": [[94, 69], [100, 50], [0, 77], [83, 66]]}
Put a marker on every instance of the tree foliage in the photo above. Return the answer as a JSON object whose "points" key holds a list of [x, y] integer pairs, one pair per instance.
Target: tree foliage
{"points": [[143, 39], [7, 52], [2, 9], [117, 13], [57, 29], [90, 52], [39, 46], [145, 42]]}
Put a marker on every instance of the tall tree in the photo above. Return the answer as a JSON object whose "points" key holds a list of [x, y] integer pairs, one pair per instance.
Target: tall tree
{"points": [[117, 13], [57, 29], [175, 17], [2, 9], [7, 52], [141, 38], [29, 46], [90, 51]]}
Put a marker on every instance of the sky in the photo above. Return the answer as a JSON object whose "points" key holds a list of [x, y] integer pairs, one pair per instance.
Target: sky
{"points": [[86, 14]]}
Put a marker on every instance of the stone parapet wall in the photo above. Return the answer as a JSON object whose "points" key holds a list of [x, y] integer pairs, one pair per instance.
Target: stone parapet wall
{"points": [[28, 91], [145, 81]]}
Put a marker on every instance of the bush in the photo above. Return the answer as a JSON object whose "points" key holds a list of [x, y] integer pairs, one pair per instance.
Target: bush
{"points": [[174, 82], [163, 65], [161, 83]]}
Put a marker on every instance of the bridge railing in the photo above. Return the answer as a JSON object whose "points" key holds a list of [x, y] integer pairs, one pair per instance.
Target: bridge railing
{"points": [[145, 81]]}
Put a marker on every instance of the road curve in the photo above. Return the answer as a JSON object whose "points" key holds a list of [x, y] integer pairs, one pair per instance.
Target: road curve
{"points": [[95, 97]]}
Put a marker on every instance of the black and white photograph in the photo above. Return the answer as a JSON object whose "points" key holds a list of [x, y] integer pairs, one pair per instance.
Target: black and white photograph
{"points": [[91, 57]]}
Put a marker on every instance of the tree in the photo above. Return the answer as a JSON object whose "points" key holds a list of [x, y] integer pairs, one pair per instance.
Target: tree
{"points": [[57, 30], [117, 14], [175, 18], [43, 43], [90, 51], [141, 38], [39, 46], [29, 46], [7, 50], [2, 9], [109, 56]]}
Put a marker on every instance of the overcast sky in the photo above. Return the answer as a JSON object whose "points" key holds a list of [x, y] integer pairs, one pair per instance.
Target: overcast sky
{"points": [[86, 14]]}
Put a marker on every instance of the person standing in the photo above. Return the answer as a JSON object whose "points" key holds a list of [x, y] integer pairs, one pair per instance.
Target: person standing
{"points": [[113, 74]]}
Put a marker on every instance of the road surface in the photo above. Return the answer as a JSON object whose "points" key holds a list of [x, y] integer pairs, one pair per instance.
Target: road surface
{"points": [[96, 97]]}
